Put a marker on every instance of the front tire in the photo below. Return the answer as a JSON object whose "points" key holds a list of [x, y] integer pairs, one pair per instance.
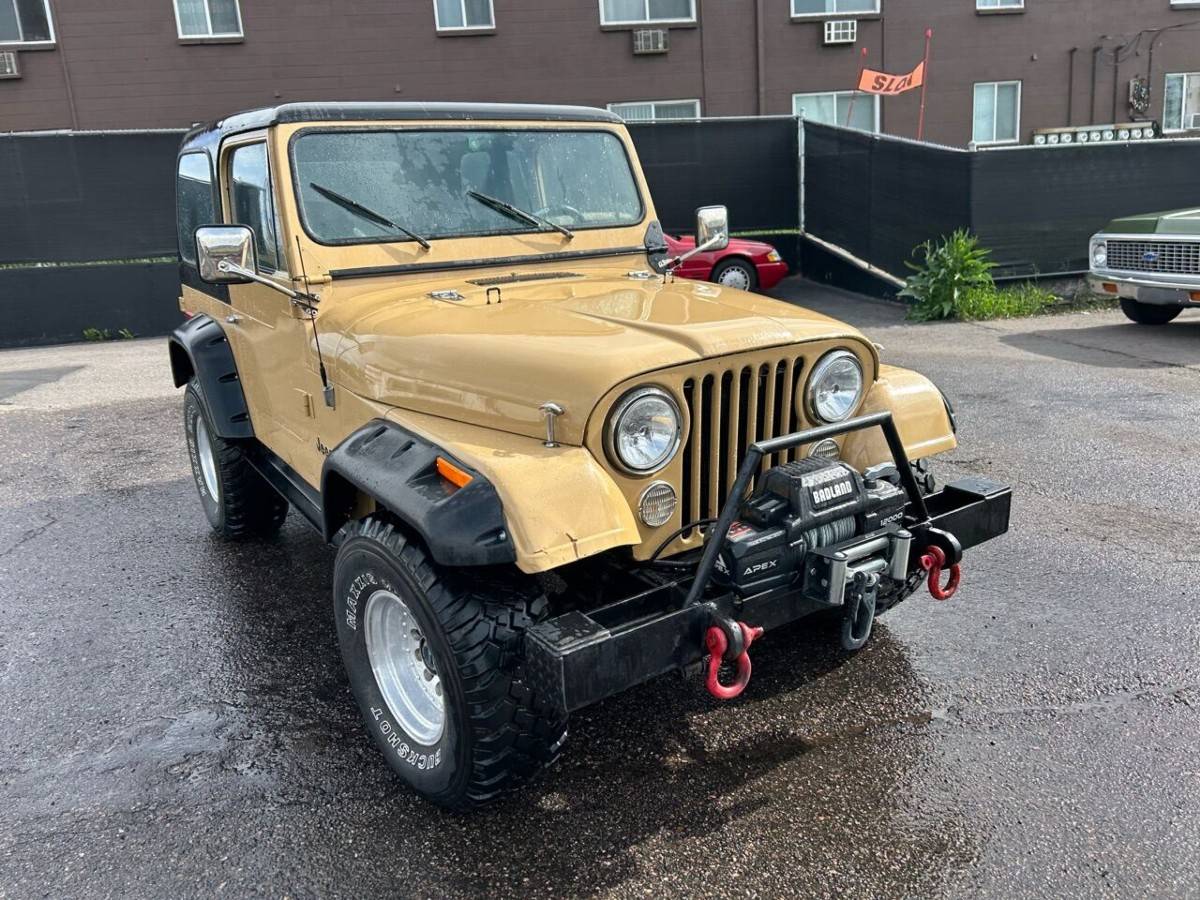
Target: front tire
{"points": [[237, 500], [435, 659], [736, 273], [1149, 313]]}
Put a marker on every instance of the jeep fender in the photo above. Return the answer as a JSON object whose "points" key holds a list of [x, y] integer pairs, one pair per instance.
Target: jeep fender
{"points": [[397, 468], [922, 414], [200, 349], [557, 504]]}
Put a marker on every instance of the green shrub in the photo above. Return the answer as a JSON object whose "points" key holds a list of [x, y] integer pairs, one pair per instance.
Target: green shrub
{"points": [[951, 266], [990, 302]]}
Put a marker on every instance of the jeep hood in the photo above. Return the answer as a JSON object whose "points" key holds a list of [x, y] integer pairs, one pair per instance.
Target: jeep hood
{"points": [[493, 357]]}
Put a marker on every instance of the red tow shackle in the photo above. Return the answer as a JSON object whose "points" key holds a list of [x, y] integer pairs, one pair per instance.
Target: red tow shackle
{"points": [[718, 647], [933, 562]]}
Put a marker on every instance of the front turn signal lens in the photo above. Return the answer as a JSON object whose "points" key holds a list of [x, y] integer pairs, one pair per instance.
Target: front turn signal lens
{"points": [[1110, 287], [657, 504], [453, 473]]}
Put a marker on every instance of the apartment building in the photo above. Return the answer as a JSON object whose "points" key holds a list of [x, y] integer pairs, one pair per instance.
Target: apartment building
{"points": [[1001, 71]]}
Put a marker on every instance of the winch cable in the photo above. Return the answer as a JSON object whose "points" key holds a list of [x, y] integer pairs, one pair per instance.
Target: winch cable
{"points": [[670, 563]]}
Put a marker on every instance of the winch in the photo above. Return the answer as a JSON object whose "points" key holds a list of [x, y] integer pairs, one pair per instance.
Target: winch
{"points": [[809, 505]]}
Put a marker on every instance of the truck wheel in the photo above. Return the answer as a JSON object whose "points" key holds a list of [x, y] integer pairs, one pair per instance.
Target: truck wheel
{"points": [[1149, 313], [736, 273], [237, 500], [436, 662]]}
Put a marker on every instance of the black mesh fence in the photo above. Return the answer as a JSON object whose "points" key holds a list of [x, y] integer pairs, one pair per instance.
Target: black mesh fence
{"points": [[84, 197], [751, 166], [879, 198], [1034, 208]]}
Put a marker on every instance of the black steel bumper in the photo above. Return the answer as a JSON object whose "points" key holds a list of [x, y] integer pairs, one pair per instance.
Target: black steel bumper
{"points": [[577, 659]]}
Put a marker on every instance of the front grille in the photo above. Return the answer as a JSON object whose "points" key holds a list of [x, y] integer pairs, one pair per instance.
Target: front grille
{"points": [[731, 407], [1165, 257]]}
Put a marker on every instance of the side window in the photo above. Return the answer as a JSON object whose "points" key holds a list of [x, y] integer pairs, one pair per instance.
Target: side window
{"points": [[194, 204], [252, 202]]}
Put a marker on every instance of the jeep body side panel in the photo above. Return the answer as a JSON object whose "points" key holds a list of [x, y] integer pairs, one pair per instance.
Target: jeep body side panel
{"points": [[461, 526], [200, 348], [921, 413]]}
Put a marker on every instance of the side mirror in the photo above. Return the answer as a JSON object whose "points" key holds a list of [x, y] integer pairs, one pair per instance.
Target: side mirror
{"points": [[712, 228], [225, 254]]}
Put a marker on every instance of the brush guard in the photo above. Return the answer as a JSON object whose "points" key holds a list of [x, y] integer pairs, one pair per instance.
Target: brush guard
{"points": [[579, 658]]}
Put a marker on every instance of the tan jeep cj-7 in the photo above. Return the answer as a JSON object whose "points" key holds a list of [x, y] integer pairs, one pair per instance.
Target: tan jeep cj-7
{"points": [[449, 336]]}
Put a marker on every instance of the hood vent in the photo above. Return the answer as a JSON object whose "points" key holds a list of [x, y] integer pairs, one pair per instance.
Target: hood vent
{"points": [[517, 277]]}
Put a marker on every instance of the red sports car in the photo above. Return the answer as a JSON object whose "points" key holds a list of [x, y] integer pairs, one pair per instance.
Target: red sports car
{"points": [[748, 265]]}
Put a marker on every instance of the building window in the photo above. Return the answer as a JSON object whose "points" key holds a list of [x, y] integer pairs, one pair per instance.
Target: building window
{"points": [[807, 8], [852, 109], [208, 18], [997, 112], [998, 5], [1181, 104], [453, 15], [656, 110], [640, 12], [25, 22]]}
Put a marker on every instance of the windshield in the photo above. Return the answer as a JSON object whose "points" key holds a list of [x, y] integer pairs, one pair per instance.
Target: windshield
{"points": [[425, 180]]}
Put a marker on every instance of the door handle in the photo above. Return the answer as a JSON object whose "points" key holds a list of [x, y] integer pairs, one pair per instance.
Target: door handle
{"points": [[232, 319]]}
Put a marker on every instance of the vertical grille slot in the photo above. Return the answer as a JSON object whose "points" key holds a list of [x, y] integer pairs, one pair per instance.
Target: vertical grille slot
{"points": [[731, 408]]}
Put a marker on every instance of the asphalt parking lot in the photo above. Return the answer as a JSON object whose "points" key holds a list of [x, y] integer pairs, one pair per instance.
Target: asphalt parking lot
{"points": [[177, 722]]}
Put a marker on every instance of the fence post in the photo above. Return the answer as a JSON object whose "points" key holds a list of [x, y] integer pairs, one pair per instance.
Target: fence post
{"points": [[800, 146]]}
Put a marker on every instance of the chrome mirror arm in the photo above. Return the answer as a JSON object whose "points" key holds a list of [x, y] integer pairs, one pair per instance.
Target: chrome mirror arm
{"points": [[716, 240], [229, 267]]}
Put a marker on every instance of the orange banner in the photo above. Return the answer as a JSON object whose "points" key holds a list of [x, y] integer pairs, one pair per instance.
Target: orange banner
{"points": [[882, 83]]}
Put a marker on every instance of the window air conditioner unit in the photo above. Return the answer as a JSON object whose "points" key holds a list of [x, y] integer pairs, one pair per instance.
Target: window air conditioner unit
{"points": [[650, 40], [8, 64], [841, 31]]}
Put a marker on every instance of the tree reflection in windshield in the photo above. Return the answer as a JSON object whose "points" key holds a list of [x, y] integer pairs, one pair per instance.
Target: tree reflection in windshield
{"points": [[577, 179]]}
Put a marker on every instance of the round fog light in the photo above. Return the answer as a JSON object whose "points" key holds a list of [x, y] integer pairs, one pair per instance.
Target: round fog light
{"points": [[657, 504], [826, 449]]}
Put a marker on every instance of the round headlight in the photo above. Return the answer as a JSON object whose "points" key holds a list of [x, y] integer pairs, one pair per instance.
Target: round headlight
{"points": [[643, 431], [835, 386], [1099, 255]]}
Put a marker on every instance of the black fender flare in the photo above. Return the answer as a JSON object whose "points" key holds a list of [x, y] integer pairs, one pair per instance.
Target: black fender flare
{"points": [[200, 349], [461, 526]]}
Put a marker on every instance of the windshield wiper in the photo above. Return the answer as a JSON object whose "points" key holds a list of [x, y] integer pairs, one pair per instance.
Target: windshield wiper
{"points": [[367, 213], [519, 215]]}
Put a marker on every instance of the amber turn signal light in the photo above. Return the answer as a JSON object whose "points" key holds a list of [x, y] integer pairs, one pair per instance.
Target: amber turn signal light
{"points": [[1110, 287], [452, 473], [1196, 296]]}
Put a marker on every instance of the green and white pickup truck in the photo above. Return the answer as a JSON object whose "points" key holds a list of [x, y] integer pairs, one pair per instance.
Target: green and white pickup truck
{"points": [[1152, 262]]}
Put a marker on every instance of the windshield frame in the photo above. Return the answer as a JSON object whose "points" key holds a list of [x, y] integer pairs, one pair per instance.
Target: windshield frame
{"points": [[384, 240]]}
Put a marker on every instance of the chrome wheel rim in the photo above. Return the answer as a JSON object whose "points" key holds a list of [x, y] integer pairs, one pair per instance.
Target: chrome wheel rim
{"points": [[208, 459], [736, 277], [404, 668]]}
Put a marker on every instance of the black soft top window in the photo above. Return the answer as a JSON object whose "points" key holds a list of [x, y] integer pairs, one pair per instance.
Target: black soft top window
{"points": [[195, 202]]}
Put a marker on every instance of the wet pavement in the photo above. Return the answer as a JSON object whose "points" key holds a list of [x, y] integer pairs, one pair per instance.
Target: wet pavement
{"points": [[176, 720]]}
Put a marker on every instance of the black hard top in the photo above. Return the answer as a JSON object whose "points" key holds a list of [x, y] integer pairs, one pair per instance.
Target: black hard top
{"points": [[211, 134]]}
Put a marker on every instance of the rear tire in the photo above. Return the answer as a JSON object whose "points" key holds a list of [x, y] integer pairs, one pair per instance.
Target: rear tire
{"points": [[444, 693], [736, 273], [238, 502], [1149, 313]]}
